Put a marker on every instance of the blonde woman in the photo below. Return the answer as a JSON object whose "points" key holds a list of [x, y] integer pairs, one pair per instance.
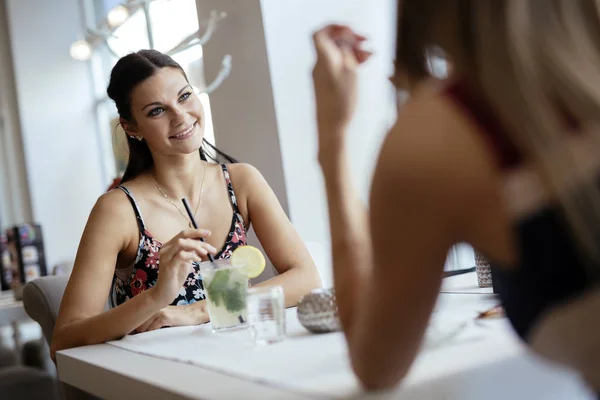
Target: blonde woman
{"points": [[503, 155]]}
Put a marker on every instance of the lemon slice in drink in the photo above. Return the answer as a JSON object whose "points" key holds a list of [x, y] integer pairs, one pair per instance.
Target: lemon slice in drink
{"points": [[250, 258]]}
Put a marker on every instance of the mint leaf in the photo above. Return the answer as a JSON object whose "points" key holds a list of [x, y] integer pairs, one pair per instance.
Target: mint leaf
{"points": [[218, 286], [235, 298]]}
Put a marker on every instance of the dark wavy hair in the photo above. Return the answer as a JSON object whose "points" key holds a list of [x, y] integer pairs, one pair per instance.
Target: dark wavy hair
{"points": [[128, 72]]}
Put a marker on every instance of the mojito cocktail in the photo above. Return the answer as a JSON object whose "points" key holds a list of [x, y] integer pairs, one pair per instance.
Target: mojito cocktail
{"points": [[225, 287]]}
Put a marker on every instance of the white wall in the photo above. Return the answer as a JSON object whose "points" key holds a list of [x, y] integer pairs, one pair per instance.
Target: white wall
{"points": [[264, 112], [288, 30], [243, 107], [14, 193], [57, 120]]}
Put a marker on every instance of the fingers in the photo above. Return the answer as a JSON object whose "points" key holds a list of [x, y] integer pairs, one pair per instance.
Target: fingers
{"points": [[187, 257], [354, 56], [323, 44], [329, 37], [362, 55], [334, 38], [158, 323], [194, 233], [170, 248], [181, 243], [155, 322], [350, 60], [337, 33], [201, 248], [144, 327]]}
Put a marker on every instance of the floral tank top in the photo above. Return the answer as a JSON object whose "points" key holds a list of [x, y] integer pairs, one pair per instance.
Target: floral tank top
{"points": [[147, 263]]}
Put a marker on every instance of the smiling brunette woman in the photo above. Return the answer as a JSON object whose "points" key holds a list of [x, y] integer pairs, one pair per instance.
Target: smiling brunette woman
{"points": [[141, 227]]}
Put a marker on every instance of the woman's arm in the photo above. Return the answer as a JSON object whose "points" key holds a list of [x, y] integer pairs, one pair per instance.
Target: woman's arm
{"points": [[284, 247], [434, 186], [351, 248], [191, 314], [410, 236], [81, 319], [426, 196], [334, 75]]}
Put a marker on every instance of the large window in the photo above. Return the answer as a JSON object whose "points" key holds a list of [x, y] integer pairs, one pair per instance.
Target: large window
{"points": [[171, 22]]}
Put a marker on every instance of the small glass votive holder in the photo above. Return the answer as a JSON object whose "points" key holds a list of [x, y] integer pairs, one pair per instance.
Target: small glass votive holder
{"points": [[266, 314]]}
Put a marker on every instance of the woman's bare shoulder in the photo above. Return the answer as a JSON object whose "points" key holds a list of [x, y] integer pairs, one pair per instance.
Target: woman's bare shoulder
{"points": [[431, 134], [435, 154], [245, 177], [243, 170], [115, 210]]}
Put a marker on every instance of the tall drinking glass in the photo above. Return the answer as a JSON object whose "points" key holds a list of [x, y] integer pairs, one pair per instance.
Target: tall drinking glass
{"points": [[225, 287]]}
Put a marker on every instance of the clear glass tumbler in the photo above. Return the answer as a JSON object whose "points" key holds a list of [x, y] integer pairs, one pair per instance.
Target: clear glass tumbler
{"points": [[266, 314]]}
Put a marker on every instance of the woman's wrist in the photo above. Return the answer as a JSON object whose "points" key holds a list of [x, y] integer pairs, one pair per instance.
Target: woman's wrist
{"points": [[331, 157], [331, 135], [156, 298]]}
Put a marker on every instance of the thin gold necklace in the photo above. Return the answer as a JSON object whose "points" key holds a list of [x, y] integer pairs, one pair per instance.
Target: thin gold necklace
{"points": [[175, 204]]}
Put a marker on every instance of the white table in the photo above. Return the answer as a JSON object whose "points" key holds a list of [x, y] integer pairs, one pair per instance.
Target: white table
{"points": [[485, 362]]}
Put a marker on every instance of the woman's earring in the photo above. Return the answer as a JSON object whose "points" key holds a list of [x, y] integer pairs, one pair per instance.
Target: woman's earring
{"points": [[138, 138]]}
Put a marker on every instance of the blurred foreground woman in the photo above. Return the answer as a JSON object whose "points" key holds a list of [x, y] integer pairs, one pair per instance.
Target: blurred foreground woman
{"points": [[502, 155]]}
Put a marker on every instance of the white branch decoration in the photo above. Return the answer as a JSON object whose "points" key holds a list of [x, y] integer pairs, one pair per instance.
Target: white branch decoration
{"points": [[221, 76], [198, 38], [94, 38]]}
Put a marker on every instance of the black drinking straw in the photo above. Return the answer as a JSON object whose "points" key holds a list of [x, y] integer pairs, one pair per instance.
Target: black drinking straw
{"points": [[194, 224]]}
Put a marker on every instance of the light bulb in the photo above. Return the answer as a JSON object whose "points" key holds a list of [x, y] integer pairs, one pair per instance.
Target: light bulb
{"points": [[81, 50], [117, 16]]}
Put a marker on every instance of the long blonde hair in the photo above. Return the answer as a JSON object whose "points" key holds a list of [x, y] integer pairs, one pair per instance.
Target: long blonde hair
{"points": [[537, 62]]}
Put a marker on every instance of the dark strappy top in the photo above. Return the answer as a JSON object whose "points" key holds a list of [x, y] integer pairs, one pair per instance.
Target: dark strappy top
{"points": [[144, 272], [550, 270]]}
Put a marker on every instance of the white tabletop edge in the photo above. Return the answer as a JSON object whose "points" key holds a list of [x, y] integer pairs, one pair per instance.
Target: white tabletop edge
{"points": [[89, 368]]}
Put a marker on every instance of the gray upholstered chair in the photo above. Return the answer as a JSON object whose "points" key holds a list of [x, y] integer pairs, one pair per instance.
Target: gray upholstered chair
{"points": [[41, 299], [24, 382], [19, 382]]}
